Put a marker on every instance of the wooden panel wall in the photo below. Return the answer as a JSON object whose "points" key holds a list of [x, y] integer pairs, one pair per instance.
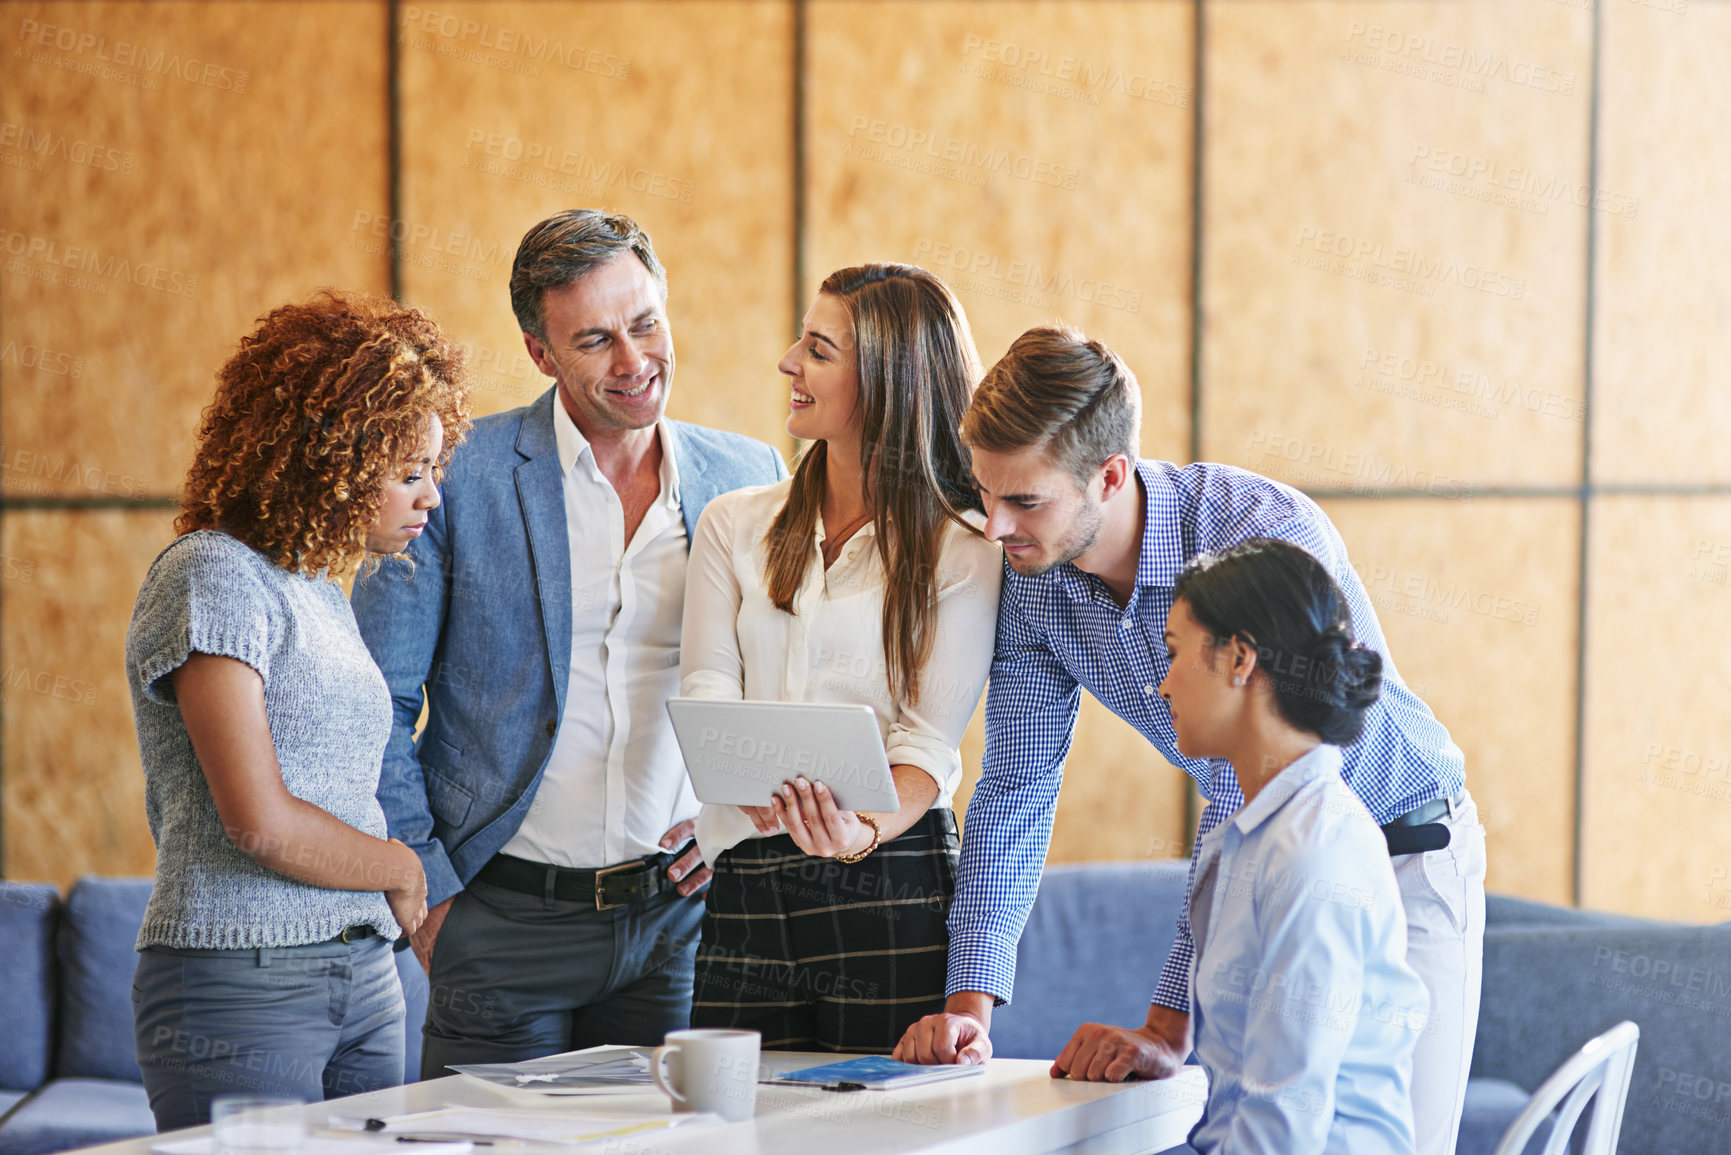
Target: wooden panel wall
{"points": [[1658, 767], [1477, 600], [1373, 320], [171, 171], [1664, 283], [1658, 794], [674, 114], [73, 794], [217, 184]]}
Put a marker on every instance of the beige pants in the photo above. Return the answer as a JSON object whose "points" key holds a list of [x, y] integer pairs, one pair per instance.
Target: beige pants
{"points": [[1443, 892]]}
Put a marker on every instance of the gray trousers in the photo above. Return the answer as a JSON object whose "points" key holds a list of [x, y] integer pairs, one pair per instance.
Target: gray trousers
{"points": [[518, 976], [311, 1022]]}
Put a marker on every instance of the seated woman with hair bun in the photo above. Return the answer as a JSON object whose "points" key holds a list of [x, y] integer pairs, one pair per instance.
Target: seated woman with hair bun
{"points": [[1304, 1009]]}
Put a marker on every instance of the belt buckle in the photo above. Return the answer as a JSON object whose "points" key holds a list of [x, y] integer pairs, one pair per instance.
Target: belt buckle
{"points": [[601, 873], [344, 936]]}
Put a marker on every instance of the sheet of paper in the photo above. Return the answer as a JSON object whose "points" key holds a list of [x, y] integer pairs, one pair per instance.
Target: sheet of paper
{"points": [[603, 1070], [327, 1145], [536, 1126], [546, 1092], [609, 1068]]}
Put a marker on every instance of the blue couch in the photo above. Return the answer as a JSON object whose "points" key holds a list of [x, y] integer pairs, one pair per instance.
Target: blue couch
{"points": [[1554, 978], [68, 1072]]}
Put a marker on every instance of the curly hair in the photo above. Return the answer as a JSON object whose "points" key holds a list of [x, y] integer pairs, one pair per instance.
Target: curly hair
{"points": [[314, 412]]}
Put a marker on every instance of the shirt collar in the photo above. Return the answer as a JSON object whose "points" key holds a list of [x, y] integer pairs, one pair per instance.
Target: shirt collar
{"points": [[1323, 760], [1158, 567], [869, 529], [1155, 568], [572, 445]]}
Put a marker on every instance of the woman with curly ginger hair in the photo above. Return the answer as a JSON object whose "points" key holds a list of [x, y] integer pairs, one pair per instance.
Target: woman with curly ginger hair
{"points": [[265, 959]]}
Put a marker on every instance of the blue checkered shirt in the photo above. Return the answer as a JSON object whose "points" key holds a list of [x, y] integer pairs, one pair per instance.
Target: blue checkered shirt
{"points": [[1063, 632]]}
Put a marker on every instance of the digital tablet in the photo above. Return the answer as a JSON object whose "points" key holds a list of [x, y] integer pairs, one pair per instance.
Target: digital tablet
{"points": [[739, 753]]}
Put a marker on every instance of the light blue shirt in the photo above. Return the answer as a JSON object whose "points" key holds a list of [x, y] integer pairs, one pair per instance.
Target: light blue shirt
{"points": [[1304, 1010]]}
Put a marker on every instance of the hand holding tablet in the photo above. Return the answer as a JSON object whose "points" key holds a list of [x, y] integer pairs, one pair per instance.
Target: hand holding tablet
{"points": [[738, 753]]}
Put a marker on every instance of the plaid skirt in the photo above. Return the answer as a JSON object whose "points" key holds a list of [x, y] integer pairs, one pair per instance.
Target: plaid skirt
{"points": [[822, 955]]}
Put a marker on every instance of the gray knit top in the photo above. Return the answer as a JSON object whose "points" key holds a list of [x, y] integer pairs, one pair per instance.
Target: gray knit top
{"points": [[329, 713]]}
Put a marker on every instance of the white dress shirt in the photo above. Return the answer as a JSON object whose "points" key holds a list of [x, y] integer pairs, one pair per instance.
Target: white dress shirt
{"points": [[737, 644], [615, 782], [1304, 1008]]}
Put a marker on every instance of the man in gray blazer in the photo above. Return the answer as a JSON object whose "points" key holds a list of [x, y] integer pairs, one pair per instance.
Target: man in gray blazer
{"points": [[539, 625]]}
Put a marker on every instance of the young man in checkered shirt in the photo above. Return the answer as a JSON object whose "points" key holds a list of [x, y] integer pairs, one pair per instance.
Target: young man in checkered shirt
{"points": [[1093, 538]]}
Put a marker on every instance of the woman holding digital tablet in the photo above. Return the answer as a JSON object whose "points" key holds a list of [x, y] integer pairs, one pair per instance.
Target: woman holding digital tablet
{"points": [[861, 579], [1304, 1009]]}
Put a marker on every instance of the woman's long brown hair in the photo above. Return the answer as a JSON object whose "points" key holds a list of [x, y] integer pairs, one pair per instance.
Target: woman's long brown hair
{"points": [[917, 370]]}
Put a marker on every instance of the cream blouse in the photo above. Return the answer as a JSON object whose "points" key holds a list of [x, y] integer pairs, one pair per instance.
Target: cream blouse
{"points": [[736, 644]]}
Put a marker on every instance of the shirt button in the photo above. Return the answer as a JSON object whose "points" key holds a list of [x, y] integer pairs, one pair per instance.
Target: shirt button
{"points": [[552, 728], [1148, 689]]}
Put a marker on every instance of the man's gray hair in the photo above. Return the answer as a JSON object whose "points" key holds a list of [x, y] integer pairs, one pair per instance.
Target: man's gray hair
{"points": [[565, 248]]}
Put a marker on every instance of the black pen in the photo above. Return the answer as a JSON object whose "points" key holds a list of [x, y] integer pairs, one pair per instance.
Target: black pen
{"points": [[841, 1086], [377, 1125], [443, 1139]]}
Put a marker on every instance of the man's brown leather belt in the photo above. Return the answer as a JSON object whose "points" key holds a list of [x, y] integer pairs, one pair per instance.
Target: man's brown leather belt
{"points": [[607, 886]]}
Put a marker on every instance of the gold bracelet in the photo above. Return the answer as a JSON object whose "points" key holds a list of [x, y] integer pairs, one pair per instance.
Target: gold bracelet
{"points": [[850, 859]]}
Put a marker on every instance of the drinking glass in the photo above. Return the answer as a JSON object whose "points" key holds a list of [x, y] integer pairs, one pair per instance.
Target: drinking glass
{"points": [[256, 1125]]}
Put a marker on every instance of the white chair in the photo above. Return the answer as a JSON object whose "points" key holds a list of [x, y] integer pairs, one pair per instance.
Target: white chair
{"points": [[1602, 1067]]}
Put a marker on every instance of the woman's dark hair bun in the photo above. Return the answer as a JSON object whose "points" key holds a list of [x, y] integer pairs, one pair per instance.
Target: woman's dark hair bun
{"points": [[1346, 677], [1281, 600]]}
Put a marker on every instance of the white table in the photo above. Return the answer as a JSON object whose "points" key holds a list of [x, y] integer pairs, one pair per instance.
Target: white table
{"points": [[1015, 1108]]}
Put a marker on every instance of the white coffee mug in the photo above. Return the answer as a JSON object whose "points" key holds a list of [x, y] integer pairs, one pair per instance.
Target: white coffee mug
{"points": [[709, 1071]]}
